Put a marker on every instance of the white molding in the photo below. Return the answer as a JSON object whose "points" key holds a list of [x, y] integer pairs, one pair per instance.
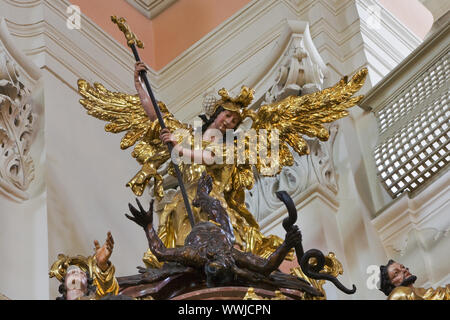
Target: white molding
{"points": [[207, 52], [151, 8], [97, 38], [438, 8], [429, 209], [387, 44], [301, 200], [391, 24], [307, 171], [75, 50], [407, 71], [24, 4], [28, 66], [216, 38]]}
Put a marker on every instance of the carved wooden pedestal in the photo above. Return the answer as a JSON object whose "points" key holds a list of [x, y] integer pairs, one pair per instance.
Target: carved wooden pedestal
{"points": [[240, 293]]}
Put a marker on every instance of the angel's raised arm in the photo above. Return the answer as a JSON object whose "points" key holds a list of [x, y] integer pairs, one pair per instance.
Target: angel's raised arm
{"points": [[143, 94]]}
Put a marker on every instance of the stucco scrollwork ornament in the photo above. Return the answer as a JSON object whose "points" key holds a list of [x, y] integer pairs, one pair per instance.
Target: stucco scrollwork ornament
{"points": [[297, 75], [315, 168], [16, 132]]}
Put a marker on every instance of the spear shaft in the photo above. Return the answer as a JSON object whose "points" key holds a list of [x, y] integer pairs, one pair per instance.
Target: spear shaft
{"points": [[132, 41]]}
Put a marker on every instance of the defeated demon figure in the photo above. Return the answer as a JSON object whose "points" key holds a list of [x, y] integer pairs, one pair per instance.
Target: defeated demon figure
{"points": [[209, 256]]}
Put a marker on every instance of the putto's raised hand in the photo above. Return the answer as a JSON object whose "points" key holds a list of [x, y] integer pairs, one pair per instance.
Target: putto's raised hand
{"points": [[141, 217], [103, 253]]}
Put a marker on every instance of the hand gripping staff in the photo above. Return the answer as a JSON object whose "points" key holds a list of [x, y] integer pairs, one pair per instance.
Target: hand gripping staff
{"points": [[132, 42]]}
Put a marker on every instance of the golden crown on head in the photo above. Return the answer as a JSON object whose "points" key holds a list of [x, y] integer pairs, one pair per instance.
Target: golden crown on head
{"points": [[60, 266], [237, 104]]}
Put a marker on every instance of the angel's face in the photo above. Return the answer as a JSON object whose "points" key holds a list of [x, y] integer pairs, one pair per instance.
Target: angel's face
{"points": [[226, 120]]}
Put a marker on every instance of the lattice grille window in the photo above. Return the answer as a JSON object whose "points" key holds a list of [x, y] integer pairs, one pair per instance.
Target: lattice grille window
{"points": [[436, 77], [415, 132]]}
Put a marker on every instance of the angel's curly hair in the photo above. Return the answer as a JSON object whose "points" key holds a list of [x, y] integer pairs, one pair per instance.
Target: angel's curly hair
{"points": [[207, 122], [226, 102]]}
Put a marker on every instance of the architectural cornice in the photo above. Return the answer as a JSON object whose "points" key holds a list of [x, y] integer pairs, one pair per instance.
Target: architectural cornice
{"points": [[219, 36], [24, 3], [316, 191], [29, 67], [404, 214], [151, 8], [437, 8], [405, 36], [407, 71]]}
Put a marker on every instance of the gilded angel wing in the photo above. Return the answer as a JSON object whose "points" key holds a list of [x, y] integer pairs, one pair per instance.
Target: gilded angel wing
{"points": [[124, 112], [295, 116]]}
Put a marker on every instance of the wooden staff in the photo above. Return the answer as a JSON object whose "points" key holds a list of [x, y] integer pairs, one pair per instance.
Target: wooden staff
{"points": [[132, 42]]}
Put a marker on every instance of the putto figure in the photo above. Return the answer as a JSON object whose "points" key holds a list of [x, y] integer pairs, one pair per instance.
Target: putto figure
{"points": [[86, 278], [290, 118], [398, 284]]}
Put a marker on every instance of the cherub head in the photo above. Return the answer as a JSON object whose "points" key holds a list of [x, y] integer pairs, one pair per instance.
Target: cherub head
{"points": [[395, 275], [76, 273], [76, 284]]}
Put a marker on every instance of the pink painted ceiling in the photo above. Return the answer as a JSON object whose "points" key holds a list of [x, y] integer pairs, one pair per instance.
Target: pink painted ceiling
{"points": [[187, 21], [170, 33]]}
